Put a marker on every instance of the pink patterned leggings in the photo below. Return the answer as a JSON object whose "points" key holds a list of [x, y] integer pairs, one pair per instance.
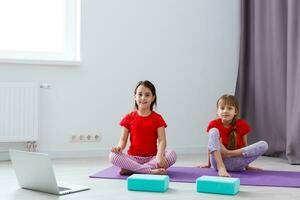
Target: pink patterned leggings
{"points": [[140, 164]]}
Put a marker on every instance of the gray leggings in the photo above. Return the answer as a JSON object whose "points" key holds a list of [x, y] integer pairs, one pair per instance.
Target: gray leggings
{"points": [[249, 153]]}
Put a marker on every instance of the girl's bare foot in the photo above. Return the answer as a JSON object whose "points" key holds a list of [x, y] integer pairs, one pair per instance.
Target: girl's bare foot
{"points": [[158, 171], [125, 172], [253, 168], [223, 172]]}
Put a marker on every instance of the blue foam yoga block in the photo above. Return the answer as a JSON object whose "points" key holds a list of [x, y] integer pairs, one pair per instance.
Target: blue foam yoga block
{"points": [[148, 182], [218, 185]]}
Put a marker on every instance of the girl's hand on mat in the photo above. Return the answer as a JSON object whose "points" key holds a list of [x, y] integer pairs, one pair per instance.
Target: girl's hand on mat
{"points": [[116, 149], [161, 162], [204, 166]]}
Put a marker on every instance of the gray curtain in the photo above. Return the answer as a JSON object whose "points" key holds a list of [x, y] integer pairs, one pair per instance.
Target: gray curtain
{"points": [[268, 83]]}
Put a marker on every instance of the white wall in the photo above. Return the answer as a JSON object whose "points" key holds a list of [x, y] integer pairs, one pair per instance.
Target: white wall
{"points": [[187, 48]]}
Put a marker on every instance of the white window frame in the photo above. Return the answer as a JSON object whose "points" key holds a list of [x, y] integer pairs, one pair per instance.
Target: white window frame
{"points": [[71, 52]]}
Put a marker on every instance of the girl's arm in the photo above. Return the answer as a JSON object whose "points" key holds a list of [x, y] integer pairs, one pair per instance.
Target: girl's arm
{"points": [[208, 165], [245, 140], [208, 156], [122, 142], [162, 143]]}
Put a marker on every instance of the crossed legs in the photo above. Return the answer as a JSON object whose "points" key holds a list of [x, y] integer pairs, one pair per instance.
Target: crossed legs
{"points": [[145, 165], [225, 160]]}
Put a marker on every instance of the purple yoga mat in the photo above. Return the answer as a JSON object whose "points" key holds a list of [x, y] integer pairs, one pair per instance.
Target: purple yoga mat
{"points": [[190, 174]]}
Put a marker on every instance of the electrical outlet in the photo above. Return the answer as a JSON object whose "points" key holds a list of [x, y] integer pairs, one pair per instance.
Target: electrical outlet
{"points": [[82, 137], [90, 137], [73, 138], [97, 137]]}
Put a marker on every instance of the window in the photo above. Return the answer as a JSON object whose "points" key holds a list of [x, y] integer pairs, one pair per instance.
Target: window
{"points": [[40, 31]]}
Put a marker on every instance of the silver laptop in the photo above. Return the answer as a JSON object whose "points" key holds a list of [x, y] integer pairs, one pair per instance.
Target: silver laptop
{"points": [[34, 171]]}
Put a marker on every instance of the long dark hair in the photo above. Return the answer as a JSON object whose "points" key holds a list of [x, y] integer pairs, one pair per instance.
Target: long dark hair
{"points": [[149, 85], [231, 100]]}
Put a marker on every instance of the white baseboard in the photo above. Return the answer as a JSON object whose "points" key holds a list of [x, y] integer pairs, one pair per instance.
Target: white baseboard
{"points": [[104, 152], [77, 153]]}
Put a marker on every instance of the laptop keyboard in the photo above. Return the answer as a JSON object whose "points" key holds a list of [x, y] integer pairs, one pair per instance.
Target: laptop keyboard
{"points": [[63, 189]]}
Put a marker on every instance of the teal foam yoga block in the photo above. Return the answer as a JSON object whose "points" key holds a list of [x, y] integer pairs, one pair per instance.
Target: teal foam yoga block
{"points": [[218, 185], [148, 182]]}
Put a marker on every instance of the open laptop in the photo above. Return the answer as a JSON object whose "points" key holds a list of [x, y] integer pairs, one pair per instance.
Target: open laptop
{"points": [[34, 171]]}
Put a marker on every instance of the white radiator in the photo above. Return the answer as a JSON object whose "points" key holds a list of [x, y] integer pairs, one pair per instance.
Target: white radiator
{"points": [[19, 109]]}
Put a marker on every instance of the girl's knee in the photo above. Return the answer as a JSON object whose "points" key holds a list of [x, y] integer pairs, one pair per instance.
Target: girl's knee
{"points": [[214, 132], [256, 149], [214, 140], [112, 157], [171, 157], [263, 145]]}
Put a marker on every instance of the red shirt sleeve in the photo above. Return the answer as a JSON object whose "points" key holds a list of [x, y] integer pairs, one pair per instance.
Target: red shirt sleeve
{"points": [[212, 124], [160, 122], [126, 121]]}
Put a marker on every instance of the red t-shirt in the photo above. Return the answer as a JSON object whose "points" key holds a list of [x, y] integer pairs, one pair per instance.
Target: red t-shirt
{"points": [[143, 133], [242, 128]]}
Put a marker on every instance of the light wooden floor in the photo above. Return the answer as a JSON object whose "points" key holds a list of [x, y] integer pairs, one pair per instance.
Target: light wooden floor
{"points": [[76, 171]]}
